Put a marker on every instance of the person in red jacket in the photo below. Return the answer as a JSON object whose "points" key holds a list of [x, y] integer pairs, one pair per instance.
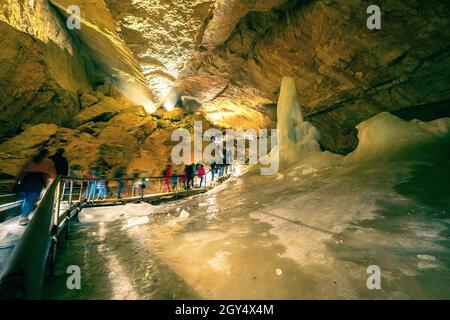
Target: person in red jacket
{"points": [[34, 176], [201, 174], [167, 178]]}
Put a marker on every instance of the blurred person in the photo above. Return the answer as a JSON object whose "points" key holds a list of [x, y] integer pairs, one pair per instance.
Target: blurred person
{"points": [[136, 184], [201, 174], [102, 190], [143, 186], [109, 192], [167, 178], [189, 173], [61, 162], [92, 183], [174, 181], [32, 179], [119, 176], [183, 181], [213, 169]]}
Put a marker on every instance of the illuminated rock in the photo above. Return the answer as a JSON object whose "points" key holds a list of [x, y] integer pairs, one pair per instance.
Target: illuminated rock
{"points": [[88, 100], [175, 115], [102, 111], [225, 59]]}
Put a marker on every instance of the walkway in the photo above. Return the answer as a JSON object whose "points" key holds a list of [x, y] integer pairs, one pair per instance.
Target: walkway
{"points": [[73, 194]]}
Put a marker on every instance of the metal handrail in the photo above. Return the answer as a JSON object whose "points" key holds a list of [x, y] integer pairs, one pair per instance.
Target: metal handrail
{"points": [[10, 205], [23, 275], [7, 195]]}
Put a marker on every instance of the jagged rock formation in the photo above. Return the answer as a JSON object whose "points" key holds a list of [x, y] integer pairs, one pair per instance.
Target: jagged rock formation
{"points": [[224, 58], [39, 81], [344, 72]]}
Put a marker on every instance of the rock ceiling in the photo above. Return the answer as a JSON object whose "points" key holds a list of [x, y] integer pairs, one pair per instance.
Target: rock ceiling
{"points": [[227, 57]]}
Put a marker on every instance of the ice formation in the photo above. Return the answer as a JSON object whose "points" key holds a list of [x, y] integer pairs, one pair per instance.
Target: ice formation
{"points": [[184, 214], [295, 136], [387, 136]]}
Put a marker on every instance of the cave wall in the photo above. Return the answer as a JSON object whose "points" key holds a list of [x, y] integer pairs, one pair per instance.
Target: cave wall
{"points": [[40, 71], [344, 72], [64, 88], [226, 58]]}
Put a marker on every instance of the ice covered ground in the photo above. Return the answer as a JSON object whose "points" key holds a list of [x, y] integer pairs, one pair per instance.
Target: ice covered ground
{"points": [[311, 231], [10, 233]]}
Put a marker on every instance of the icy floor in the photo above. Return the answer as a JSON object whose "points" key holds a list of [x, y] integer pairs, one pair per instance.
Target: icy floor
{"points": [[10, 233], [309, 232]]}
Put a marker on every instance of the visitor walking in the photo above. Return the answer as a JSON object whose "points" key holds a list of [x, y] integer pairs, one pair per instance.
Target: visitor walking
{"points": [[189, 173], [92, 184], [183, 181], [143, 186], [174, 181], [101, 190], [119, 176], [167, 178], [31, 180], [61, 163], [213, 169], [136, 184], [201, 174], [220, 169]]}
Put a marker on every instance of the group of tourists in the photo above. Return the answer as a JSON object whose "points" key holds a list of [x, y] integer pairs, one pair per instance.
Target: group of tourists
{"points": [[194, 176], [37, 173]]}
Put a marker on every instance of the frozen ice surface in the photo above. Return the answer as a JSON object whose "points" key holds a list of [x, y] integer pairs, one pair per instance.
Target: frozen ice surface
{"points": [[184, 214], [136, 221], [321, 221], [219, 262], [10, 234]]}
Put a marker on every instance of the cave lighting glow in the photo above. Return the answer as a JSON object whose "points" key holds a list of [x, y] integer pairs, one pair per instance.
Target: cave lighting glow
{"points": [[148, 105], [234, 114], [171, 99], [138, 94]]}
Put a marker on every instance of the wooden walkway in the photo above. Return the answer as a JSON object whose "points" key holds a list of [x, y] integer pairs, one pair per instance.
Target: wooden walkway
{"points": [[160, 197], [11, 232]]}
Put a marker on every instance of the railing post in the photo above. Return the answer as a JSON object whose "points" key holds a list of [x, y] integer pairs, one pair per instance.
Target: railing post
{"points": [[57, 205], [70, 193], [54, 230], [70, 208], [63, 190], [81, 192]]}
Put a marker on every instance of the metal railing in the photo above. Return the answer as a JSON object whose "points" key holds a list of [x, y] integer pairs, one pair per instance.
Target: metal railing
{"points": [[24, 273], [9, 203], [99, 191]]}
